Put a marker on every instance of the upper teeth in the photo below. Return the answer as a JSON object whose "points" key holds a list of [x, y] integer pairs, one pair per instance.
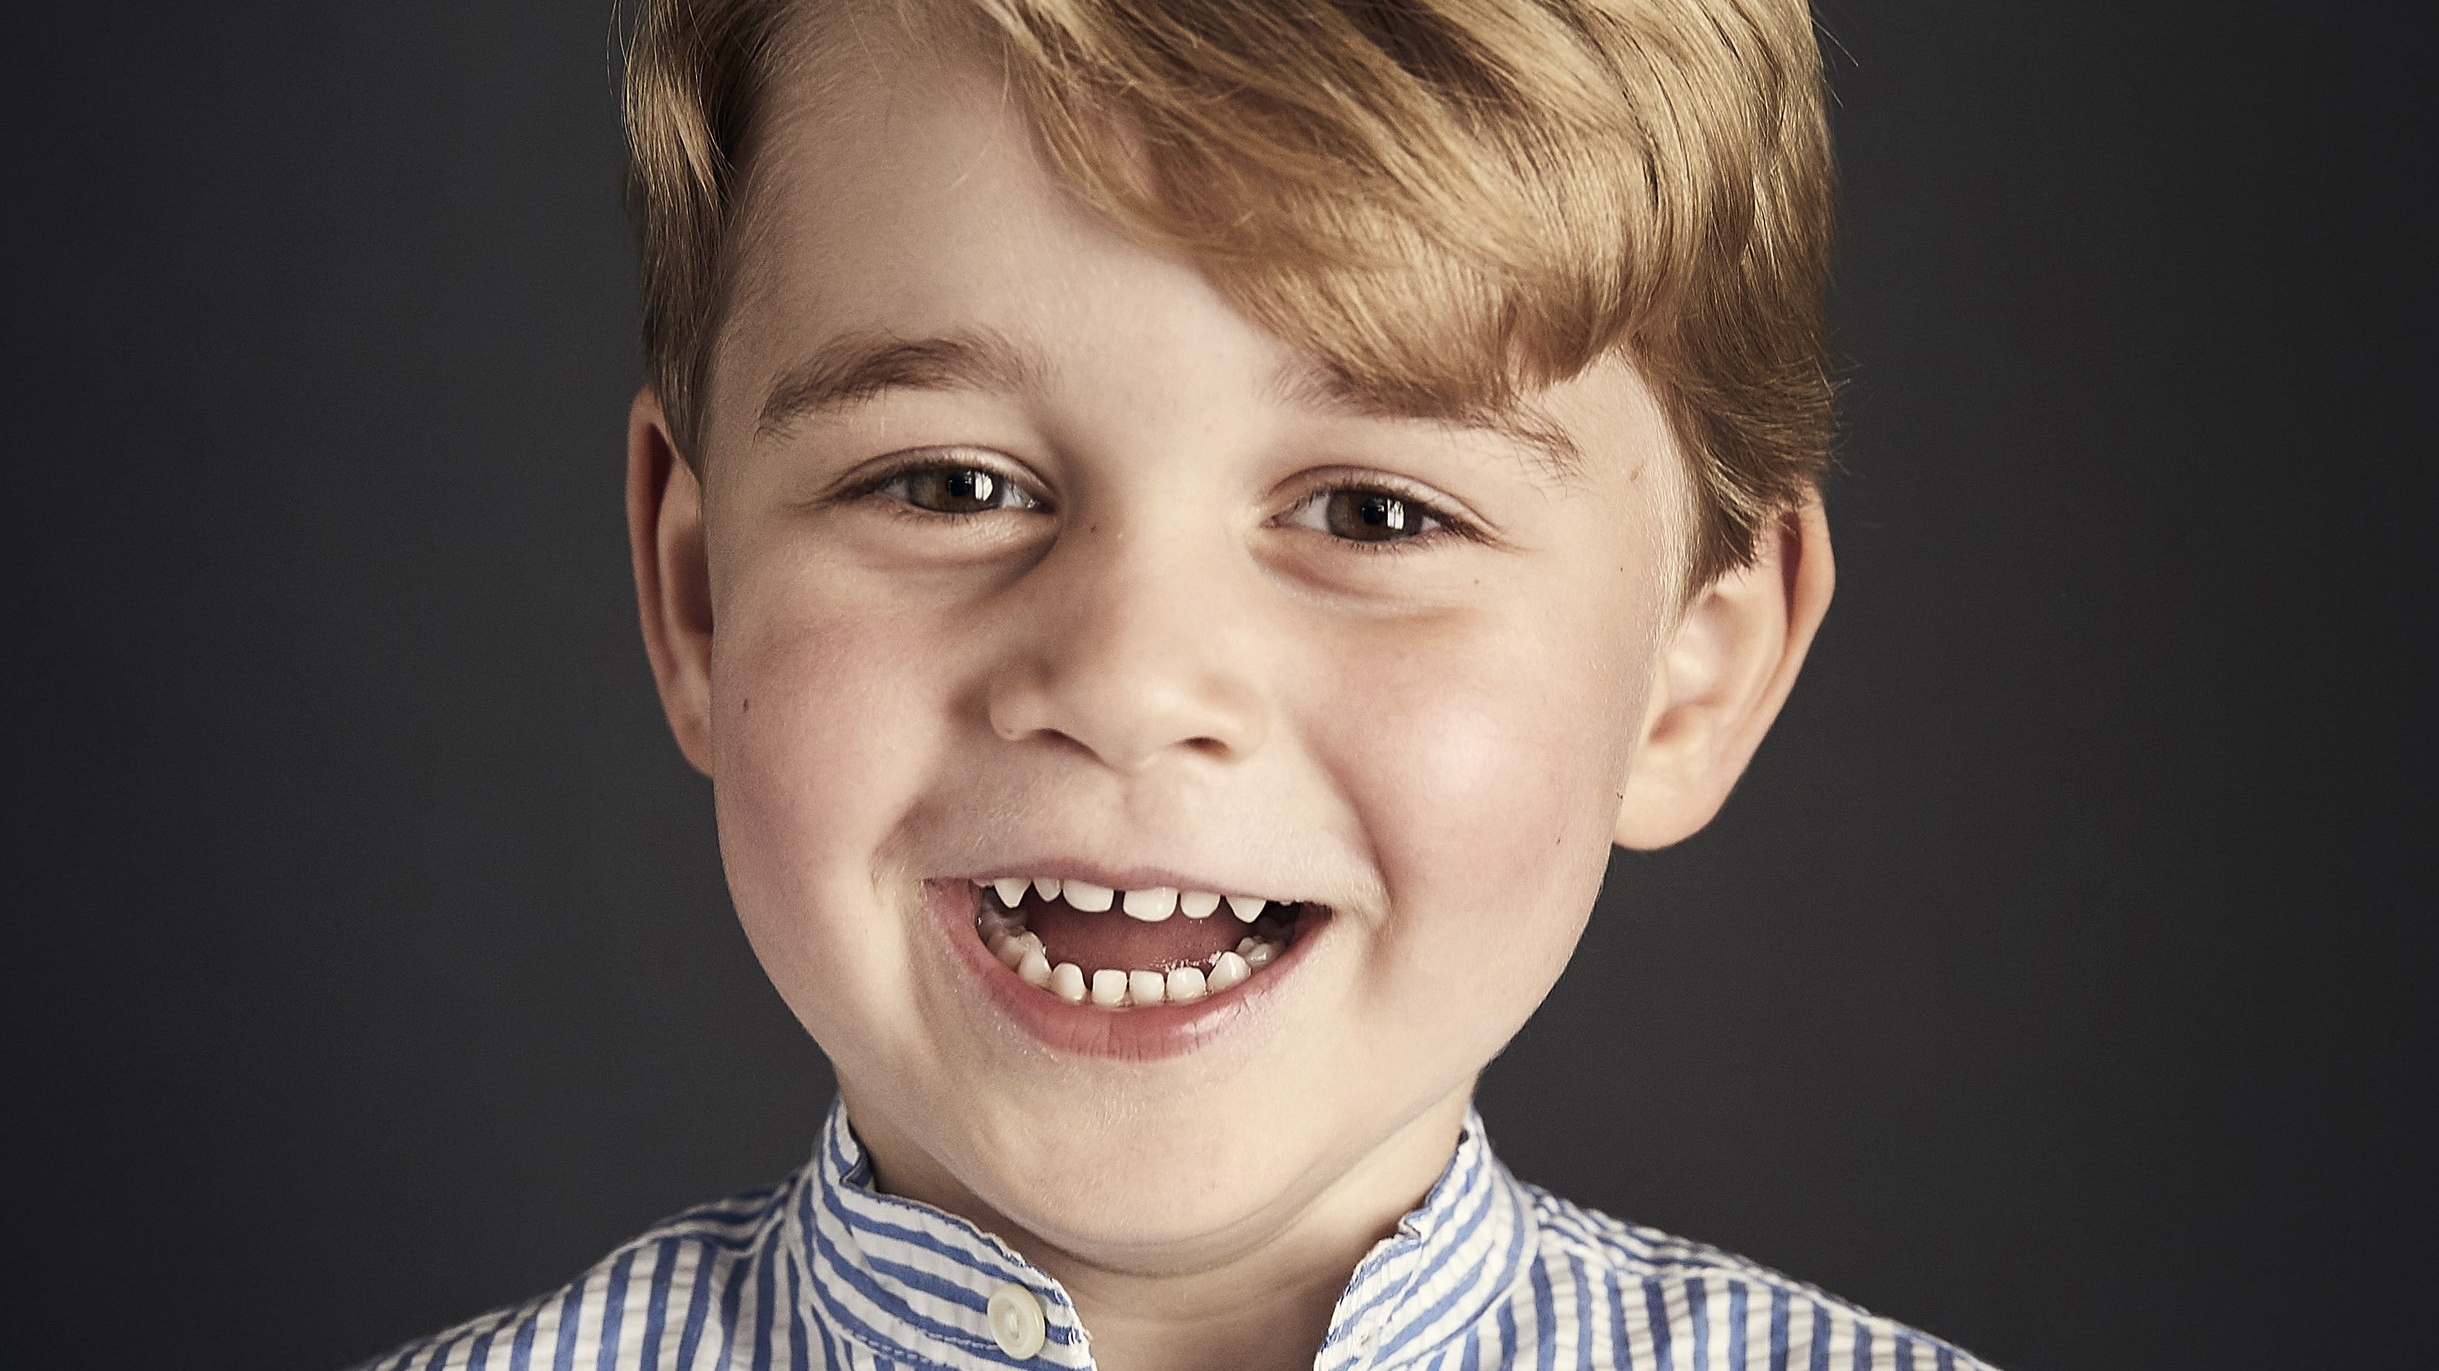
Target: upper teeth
{"points": [[1151, 904]]}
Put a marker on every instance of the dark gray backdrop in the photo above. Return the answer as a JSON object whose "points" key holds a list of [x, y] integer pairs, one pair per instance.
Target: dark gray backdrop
{"points": [[2052, 982]]}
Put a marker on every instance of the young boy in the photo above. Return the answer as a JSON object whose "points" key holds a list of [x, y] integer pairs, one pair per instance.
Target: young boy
{"points": [[1181, 531]]}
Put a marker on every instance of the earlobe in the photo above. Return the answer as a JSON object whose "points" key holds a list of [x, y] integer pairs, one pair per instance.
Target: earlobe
{"points": [[672, 574], [1722, 679]]}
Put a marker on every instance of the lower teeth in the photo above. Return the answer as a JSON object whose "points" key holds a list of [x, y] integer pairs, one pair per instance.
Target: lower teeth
{"points": [[1020, 950]]}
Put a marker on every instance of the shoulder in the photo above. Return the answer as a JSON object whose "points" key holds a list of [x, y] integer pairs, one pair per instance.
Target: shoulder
{"points": [[1681, 1303], [670, 1289]]}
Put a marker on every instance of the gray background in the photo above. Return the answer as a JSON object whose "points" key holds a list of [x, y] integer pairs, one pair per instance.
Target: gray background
{"points": [[2050, 983]]}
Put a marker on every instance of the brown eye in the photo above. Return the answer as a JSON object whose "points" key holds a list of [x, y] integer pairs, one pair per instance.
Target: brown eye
{"points": [[1372, 516], [956, 490]]}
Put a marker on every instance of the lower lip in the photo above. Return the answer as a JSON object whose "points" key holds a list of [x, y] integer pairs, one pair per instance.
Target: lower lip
{"points": [[1148, 1033]]}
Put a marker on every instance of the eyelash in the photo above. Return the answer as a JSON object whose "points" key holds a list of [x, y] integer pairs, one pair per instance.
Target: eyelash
{"points": [[1449, 525], [877, 485]]}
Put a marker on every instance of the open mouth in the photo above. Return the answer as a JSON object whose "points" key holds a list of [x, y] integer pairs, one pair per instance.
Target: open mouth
{"points": [[1121, 949]]}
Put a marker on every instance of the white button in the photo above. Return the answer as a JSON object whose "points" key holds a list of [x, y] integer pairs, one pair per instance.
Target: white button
{"points": [[1016, 1321]]}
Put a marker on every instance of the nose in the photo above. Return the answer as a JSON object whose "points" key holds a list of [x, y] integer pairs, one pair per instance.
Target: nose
{"points": [[1134, 653]]}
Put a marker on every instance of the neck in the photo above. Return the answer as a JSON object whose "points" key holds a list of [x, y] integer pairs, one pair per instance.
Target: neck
{"points": [[1263, 1305]]}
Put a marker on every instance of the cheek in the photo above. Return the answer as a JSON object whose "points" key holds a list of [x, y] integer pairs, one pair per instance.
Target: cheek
{"points": [[822, 736], [1495, 747]]}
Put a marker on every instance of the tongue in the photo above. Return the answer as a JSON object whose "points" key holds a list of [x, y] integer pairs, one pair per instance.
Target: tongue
{"points": [[1112, 941]]}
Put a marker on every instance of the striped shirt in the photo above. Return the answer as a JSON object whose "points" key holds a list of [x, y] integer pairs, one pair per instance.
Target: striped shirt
{"points": [[826, 1271]]}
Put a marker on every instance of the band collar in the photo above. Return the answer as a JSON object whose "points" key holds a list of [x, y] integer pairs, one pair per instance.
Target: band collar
{"points": [[909, 1282]]}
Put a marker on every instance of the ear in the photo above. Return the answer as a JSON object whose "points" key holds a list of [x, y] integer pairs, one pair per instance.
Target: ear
{"points": [[1720, 683], [672, 574]]}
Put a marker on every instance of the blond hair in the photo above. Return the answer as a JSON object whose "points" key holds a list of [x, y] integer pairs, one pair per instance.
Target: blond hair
{"points": [[1450, 202]]}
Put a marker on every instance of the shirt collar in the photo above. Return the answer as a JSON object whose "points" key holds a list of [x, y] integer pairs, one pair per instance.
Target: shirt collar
{"points": [[910, 1282]]}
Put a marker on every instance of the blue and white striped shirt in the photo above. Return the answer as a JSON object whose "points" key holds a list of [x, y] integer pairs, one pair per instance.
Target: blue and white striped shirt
{"points": [[826, 1271]]}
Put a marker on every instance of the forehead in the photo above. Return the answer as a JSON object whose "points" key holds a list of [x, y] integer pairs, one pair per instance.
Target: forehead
{"points": [[894, 190]]}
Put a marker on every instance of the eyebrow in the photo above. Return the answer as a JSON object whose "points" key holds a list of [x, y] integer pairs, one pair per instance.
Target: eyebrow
{"points": [[858, 367], [1332, 390]]}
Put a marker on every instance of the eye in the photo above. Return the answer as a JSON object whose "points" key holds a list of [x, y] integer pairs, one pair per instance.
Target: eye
{"points": [[952, 489], [1366, 514]]}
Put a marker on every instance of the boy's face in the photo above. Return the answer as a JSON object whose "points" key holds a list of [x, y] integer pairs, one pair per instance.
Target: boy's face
{"points": [[1100, 581]]}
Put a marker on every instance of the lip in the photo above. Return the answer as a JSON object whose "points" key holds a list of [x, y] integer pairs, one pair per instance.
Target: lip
{"points": [[1150, 1033]]}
